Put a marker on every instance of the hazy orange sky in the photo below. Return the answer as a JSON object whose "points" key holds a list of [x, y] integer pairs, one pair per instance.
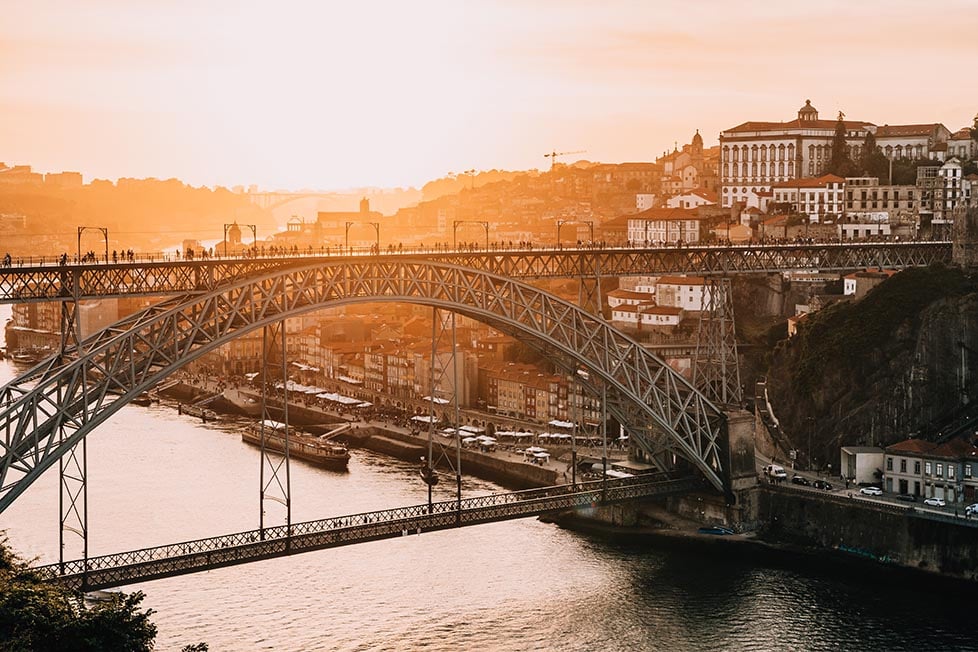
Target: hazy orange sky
{"points": [[340, 94]]}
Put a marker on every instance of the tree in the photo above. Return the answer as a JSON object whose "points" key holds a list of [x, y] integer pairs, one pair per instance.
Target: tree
{"points": [[840, 164], [872, 161], [39, 616], [974, 129]]}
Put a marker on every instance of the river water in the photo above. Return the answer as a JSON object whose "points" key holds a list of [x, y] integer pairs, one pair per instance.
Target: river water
{"points": [[156, 477]]}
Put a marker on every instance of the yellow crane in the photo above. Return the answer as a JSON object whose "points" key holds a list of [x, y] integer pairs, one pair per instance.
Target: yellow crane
{"points": [[554, 154]]}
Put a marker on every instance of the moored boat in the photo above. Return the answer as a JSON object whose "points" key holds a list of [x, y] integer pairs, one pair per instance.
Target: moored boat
{"points": [[319, 450]]}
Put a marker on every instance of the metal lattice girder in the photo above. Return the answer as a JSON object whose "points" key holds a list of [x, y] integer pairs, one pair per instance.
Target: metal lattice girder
{"points": [[657, 405], [241, 547], [51, 282], [716, 368]]}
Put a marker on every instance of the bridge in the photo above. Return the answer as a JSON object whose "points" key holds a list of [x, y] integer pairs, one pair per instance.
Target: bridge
{"points": [[47, 280], [217, 552], [272, 199], [48, 411]]}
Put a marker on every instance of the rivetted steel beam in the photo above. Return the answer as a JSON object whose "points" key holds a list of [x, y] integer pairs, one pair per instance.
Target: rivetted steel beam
{"points": [[51, 407], [90, 281]]}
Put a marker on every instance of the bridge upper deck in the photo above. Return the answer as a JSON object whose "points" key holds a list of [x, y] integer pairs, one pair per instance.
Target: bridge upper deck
{"points": [[46, 280]]}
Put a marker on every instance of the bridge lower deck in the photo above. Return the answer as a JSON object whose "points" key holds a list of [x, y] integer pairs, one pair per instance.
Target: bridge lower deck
{"points": [[205, 554]]}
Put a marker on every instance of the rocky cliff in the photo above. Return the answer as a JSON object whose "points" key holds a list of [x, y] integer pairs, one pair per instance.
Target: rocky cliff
{"points": [[902, 360]]}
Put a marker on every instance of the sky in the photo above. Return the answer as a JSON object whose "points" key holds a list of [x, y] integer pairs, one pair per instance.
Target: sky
{"points": [[378, 93]]}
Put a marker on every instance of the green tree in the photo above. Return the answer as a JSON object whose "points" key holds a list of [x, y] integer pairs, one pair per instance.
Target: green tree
{"points": [[872, 160], [840, 164], [38, 616]]}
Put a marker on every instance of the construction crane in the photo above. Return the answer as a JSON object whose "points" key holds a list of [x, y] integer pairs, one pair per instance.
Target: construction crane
{"points": [[553, 156]]}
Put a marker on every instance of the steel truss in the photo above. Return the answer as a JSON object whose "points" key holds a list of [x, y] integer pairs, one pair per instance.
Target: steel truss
{"points": [[662, 411], [216, 552], [716, 368], [275, 478], [443, 386], [50, 282]]}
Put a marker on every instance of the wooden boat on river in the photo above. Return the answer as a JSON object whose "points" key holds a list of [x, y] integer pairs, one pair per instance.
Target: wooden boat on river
{"points": [[318, 450]]}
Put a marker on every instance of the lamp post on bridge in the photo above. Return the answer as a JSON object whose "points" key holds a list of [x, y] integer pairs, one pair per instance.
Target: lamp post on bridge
{"points": [[254, 235], [456, 223], [590, 226], [105, 235], [376, 226]]}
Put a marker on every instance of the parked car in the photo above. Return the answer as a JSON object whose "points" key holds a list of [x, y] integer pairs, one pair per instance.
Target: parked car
{"points": [[907, 498], [823, 485], [934, 502], [799, 479], [971, 510], [871, 491]]}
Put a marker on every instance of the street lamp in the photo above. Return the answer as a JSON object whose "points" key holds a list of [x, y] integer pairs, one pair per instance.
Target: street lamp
{"points": [[376, 226], [254, 235], [590, 226], [105, 235], [456, 223]]}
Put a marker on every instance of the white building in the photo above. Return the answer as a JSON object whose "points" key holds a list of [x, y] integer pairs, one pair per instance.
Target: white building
{"points": [[962, 145], [646, 315], [756, 155], [868, 201], [860, 464], [686, 292], [622, 297], [912, 141], [818, 198], [693, 199], [664, 225], [644, 201]]}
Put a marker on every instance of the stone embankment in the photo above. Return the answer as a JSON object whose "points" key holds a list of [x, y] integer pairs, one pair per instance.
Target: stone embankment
{"points": [[506, 467]]}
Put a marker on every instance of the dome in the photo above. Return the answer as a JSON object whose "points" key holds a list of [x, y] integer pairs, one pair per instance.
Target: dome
{"points": [[697, 139], [808, 112]]}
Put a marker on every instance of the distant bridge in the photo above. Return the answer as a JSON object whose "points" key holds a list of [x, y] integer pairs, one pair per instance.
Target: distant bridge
{"points": [[271, 199], [216, 552]]}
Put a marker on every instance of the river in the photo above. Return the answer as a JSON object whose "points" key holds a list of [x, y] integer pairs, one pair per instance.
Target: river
{"points": [[156, 477]]}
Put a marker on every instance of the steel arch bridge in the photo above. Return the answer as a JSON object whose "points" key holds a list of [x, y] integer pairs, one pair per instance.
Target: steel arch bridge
{"points": [[51, 408]]}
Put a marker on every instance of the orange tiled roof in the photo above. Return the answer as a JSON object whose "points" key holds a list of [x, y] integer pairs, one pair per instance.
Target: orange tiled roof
{"points": [[895, 131], [795, 124], [810, 182], [681, 280], [911, 446]]}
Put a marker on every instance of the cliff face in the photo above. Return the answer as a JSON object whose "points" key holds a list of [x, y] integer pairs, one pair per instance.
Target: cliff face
{"points": [[872, 372]]}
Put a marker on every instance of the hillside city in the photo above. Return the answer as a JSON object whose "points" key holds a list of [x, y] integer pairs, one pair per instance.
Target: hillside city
{"points": [[803, 179]]}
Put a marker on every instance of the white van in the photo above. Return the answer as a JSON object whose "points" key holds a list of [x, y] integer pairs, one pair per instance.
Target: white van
{"points": [[775, 472]]}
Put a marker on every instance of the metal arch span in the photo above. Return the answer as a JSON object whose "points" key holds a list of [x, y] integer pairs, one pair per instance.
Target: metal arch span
{"points": [[40, 423]]}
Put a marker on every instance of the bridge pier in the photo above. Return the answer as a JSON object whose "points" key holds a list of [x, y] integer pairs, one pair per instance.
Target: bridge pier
{"points": [[964, 246]]}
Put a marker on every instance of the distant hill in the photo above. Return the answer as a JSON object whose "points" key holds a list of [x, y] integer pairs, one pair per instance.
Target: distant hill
{"points": [[454, 183]]}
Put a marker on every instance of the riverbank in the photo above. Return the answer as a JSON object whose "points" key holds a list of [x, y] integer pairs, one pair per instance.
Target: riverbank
{"points": [[505, 464]]}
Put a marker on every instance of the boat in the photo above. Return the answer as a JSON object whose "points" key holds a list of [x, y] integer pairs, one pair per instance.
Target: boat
{"points": [[143, 399], [28, 355], [319, 450], [194, 410]]}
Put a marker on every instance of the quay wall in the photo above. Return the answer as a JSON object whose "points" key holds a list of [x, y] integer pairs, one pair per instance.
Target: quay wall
{"points": [[892, 534]]}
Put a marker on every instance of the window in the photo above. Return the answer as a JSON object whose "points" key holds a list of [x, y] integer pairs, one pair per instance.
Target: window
{"points": [[926, 468], [889, 464], [967, 470], [940, 470], [950, 471], [903, 465]]}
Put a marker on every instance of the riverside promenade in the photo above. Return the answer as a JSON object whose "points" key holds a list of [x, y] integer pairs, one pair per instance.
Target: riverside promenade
{"points": [[391, 431]]}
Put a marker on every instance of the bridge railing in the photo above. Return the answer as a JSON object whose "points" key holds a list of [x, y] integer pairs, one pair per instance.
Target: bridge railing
{"points": [[174, 256], [400, 519]]}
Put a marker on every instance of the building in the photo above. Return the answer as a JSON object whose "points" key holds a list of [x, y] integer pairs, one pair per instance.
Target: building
{"points": [[663, 225], [961, 145], [645, 315], [756, 155], [948, 471], [693, 199], [914, 142], [820, 199], [861, 464], [686, 292], [867, 201], [621, 297]]}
